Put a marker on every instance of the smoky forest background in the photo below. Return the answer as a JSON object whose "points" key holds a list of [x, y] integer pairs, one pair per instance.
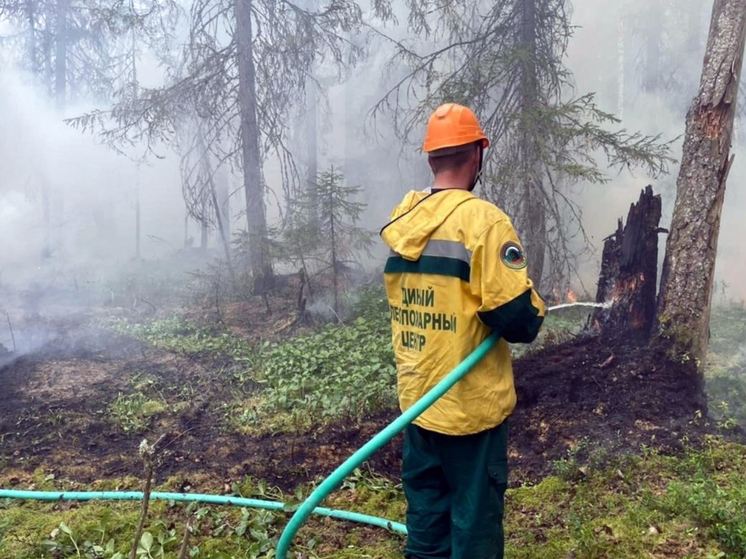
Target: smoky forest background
{"points": [[191, 193]]}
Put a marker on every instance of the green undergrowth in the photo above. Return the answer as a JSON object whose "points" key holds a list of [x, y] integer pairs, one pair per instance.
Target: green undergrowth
{"points": [[179, 335], [338, 372], [346, 371], [648, 506], [133, 412], [558, 327], [341, 371]]}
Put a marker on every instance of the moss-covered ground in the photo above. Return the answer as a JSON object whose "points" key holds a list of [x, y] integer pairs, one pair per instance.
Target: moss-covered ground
{"points": [[653, 506]]}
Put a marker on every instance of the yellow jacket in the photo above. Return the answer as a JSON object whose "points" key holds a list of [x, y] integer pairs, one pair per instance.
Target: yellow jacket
{"points": [[456, 273]]}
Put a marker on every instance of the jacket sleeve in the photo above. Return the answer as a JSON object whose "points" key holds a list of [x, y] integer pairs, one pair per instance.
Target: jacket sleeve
{"points": [[499, 276]]}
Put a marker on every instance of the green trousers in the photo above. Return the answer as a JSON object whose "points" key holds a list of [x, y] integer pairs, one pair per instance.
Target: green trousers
{"points": [[455, 488]]}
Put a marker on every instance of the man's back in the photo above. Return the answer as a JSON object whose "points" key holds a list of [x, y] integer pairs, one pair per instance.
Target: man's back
{"points": [[438, 279]]}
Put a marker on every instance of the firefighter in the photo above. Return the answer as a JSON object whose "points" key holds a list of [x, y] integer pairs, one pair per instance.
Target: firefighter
{"points": [[456, 273]]}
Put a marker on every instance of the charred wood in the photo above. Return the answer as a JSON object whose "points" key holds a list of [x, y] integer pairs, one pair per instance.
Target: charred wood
{"points": [[629, 271]]}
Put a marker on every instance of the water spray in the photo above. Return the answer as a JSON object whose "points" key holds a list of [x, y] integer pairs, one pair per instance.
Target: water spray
{"points": [[606, 305]]}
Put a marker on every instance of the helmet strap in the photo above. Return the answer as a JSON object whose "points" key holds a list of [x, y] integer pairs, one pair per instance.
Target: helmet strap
{"points": [[478, 178]]}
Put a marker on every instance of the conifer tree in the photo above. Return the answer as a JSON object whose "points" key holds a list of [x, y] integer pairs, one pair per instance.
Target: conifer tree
{"points": [[328, 237], [505, 60]]}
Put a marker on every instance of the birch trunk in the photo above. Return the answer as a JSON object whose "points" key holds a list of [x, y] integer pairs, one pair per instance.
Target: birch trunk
{"points": [[685, 298]]}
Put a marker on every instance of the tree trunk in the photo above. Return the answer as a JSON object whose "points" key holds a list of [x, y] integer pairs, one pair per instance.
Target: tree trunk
{"points": [[651, 80], [138, 233], [135, 94], [31, 30], [694, 33], [203, 227], [46, 208], [48, 71], [535, 227], [685, 298], [187, 244], [252, 164], [333, 234], [621, 70], [60, 59], [223, 192], [312, 164], [222, 230], [217, 207], [629, 271]]}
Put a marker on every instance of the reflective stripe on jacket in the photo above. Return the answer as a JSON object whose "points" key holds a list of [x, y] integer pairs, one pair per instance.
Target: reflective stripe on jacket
{"points": [[457, 272]]}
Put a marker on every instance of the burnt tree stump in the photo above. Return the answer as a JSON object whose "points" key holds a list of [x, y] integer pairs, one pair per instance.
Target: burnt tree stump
{"points": [[629, 268]]}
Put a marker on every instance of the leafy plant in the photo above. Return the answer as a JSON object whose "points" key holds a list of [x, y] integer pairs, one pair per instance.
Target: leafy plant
{"points": [[340, 372], [343, 371], [63, 542], [181, 336], [154, 547], [719, 509], [133, 413]]}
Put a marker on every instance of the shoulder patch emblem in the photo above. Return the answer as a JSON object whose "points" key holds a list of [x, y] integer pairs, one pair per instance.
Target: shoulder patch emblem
{"points": [[512, 256]]}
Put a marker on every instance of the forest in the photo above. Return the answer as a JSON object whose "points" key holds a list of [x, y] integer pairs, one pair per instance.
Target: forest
{"points": [[195, 332]]}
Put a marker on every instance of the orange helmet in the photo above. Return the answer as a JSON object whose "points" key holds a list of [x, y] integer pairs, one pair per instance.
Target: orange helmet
{"points": [[452, 126]]}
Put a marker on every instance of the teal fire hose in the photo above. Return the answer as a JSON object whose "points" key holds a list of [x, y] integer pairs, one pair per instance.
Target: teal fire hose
{"points": [[197, 498]]}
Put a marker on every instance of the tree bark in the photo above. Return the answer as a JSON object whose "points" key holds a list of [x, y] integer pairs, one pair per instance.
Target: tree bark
{"points": [[685, 298], [535, 229], [252, 164], [651, 81], [220, 215], [204, 230], [46, 210], [60, 58], [629, 271], [223, 189], [138, 224], [31, 30], [312, 164], [621, 70]]}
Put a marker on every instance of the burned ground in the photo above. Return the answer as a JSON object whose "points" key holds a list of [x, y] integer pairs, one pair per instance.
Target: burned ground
{"points": [[582, 396]]}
